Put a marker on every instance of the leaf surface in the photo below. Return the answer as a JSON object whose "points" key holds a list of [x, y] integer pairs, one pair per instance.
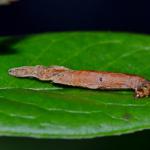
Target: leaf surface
{"points": [[32, 108]]}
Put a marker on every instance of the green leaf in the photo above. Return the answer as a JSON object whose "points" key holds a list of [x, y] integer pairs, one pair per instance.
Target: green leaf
{"points": [[29, 107]]}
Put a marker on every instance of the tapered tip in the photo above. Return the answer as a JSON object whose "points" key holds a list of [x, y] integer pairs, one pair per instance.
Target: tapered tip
{"points": [[20, 71], [11, 71]]}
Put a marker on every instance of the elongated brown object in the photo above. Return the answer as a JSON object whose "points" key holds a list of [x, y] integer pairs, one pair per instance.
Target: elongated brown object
{"points": [[86, 79]]}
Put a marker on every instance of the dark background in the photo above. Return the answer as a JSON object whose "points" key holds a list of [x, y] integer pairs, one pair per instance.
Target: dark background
{"points": [[28, 16], [34, 16], [136, 141]]}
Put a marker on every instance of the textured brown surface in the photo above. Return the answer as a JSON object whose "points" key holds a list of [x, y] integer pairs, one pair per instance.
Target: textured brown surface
{"points": [[86, 79]]}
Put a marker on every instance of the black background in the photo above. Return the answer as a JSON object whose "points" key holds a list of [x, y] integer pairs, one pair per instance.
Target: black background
{"points": [[136, 141], [34, 16], [29, 16]]}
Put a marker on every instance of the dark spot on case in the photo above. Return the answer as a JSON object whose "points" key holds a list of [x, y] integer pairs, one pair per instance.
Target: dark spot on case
{"points": [[100, 79], [58, 74], [55, 74]]}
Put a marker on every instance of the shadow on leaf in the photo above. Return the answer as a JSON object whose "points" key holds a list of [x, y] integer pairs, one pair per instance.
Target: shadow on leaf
{"points": [[7, 45]]}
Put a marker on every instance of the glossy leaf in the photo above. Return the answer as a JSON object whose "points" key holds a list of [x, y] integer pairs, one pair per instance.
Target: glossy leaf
{"points": [[29, 107]]}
